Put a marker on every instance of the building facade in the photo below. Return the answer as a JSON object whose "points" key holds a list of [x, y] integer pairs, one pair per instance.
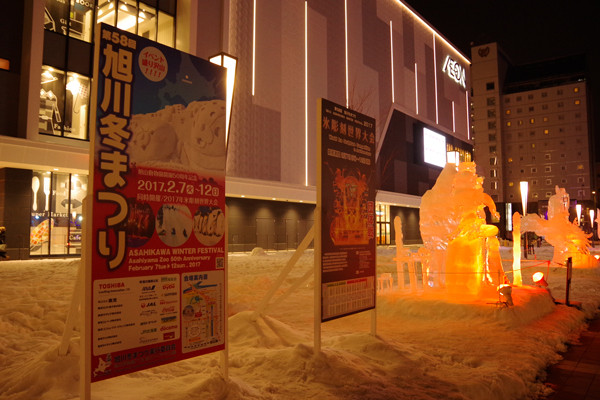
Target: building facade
{"points": [[530, 124], [377, 57]]}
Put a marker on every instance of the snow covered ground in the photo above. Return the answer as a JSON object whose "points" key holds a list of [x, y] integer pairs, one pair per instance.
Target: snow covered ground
{"points": [[427, 347]]}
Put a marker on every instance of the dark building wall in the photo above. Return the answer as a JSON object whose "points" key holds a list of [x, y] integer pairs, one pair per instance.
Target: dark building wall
{"points": [[15, 210], [400, 164], [267, 224], [410, 218], [11, 33]]}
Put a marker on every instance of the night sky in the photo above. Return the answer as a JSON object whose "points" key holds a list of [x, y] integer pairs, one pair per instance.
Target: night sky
{"points": [[527, 31]]}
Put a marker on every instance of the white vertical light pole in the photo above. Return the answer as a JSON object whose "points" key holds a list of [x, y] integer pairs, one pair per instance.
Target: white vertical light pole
{"points": [[524, 185], [592, 224]]}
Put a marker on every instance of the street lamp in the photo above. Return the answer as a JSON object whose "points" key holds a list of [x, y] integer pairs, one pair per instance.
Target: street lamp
{"points": [[524, 185], [230, 63]]}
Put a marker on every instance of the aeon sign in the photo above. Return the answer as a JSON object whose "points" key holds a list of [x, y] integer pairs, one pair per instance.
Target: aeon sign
{"points": [[455, 71]]}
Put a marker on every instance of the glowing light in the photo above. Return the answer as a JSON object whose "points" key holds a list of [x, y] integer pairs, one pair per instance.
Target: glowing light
{"points": [[467, 113], [455, 71], [306, 93], [524, 190], [254, 48], [453, 118], [437, 119], [539, 280], [346, 40], [434, 148], [592, 218], [578, 209], [416, 90], [392, 58]]}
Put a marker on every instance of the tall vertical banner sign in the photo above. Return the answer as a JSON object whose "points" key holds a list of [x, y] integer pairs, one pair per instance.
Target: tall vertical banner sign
{"points": [[157, 254], [346, 194]]}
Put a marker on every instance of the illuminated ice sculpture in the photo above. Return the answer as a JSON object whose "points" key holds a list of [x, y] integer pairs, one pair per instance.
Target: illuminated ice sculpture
{"points": [[463, 250], [568, 239]]}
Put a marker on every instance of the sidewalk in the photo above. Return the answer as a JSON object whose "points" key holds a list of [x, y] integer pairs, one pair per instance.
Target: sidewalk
{"points": [[577, 376]]}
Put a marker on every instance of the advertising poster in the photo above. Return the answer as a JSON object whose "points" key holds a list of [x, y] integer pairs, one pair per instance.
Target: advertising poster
{"points": [[348, 211], [158, 247]]}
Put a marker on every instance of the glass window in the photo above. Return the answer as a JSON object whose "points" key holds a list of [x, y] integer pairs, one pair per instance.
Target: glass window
{"points": [[548, 169], [383, 223], [489, 86], [166, 29], [126, 15], [508, 112], [491, 113], [576, 90], [106, 12], [494, 173], [52, 101], [532, 120], [491, 101], [147, 21], [82, 19], [492, 137], [76, 106], [491, 124], [64, 103], [492, 149], [56, 213], [72, 18]]}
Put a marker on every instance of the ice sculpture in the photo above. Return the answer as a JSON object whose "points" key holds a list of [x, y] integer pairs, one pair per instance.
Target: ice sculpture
{"points": [[463, 250], [567, 238]]}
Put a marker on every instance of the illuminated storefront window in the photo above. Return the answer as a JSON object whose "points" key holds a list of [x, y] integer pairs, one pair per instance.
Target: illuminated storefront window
{"points": [[56, 213], [64, 103], [383, 223]]}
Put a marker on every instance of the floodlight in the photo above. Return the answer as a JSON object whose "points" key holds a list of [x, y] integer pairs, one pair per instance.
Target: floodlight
{"points": [[505, 294], [539, 279]]}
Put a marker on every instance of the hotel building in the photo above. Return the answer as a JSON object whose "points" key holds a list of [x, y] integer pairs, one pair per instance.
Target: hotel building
{"points": [[530, 124]]}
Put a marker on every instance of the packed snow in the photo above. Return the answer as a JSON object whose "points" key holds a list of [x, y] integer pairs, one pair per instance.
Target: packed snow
{"points": [[427, 345]]}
